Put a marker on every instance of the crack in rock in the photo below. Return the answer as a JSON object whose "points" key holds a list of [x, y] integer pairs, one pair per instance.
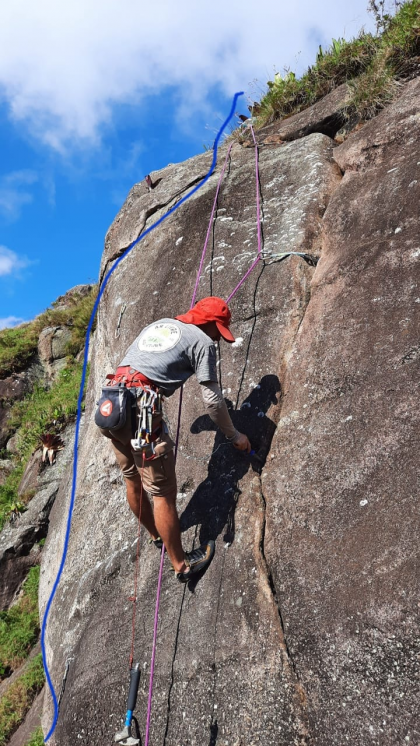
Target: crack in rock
{"points": [[145, 217], [289, 665]]}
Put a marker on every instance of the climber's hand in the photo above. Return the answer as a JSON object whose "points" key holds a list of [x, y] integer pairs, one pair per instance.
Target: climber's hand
{"points": [[242, 443]]}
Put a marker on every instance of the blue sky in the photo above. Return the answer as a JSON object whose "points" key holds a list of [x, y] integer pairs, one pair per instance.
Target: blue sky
{"points": [[94, 96]]}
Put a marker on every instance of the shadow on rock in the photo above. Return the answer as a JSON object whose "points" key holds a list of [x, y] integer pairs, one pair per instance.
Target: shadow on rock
{"points": [[213, 504]]}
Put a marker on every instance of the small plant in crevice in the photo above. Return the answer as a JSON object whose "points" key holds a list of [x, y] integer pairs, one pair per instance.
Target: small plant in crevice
{"points": [[36, 739], [51, 443], [15, 508]]}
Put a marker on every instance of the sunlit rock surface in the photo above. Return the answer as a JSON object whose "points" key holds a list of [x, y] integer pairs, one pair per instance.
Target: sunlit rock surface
{"points": [[303, 629]]}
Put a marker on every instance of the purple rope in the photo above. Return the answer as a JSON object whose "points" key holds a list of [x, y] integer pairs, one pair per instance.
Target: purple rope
{"points": [[209, 228], [152, 662], [254, 264], [259, 254], [162, 559], [162, 556]]}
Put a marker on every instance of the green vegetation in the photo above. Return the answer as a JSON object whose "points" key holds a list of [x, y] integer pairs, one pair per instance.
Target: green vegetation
{"points": [[372, 65], [19, 626], [45, 409], [19, 345], [19, 697], [41, 411], [37, 738], [341, 62], [8, 494]]}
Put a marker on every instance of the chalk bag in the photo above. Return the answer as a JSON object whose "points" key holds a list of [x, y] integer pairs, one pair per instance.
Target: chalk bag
{"points": [[113, 407]]}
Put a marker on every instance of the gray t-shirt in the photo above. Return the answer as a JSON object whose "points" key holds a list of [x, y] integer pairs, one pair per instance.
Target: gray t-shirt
{"points": [[168, 352]]}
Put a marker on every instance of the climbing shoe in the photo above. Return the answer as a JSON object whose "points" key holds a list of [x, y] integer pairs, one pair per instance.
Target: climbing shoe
{"points": [[196, 561], [157, 542]]}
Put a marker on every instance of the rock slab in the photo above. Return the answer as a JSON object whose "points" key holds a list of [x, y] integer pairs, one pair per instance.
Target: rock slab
{"points": [[303, 630]]}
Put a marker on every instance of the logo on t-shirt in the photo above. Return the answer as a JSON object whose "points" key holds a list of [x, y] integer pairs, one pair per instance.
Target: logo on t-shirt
{"points": [[159, 337]]}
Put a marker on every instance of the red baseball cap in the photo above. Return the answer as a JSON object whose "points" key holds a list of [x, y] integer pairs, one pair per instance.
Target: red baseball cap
{"points": [[210, 309]]}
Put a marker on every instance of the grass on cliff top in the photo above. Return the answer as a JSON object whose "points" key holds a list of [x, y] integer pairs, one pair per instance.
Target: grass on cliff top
{"points": [[372, 65], [44, 410], [19, 697], [19, 345], [19, 626]]}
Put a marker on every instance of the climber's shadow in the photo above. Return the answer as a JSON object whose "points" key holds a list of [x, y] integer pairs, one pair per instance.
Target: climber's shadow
{"points": [[213, 504]]}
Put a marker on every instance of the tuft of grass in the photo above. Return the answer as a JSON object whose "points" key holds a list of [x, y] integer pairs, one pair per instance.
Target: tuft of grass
{"points": [[372, 91], [17, 348], [19, 626], [19, 345], [401, 39], [36, 739], [372, 65], [19, 697]]}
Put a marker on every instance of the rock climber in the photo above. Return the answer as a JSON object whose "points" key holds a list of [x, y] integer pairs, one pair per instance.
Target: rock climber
{"points": [[164, 355]]}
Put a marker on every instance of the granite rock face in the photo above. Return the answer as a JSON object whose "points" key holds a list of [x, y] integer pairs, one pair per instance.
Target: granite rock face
{"points": [[302, 631], [12, 388], [52, 349], [326, 117]]}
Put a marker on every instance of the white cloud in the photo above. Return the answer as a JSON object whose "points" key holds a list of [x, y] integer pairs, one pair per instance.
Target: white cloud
{"points": [[63, 66], [10, 321], [14, 193], [10, 262]]}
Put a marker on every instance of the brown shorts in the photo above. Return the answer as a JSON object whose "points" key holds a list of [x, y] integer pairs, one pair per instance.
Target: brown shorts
{"points": [[158, 473]]}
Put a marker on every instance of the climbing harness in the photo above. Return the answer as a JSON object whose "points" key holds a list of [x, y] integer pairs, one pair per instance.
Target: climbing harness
{"points": [[127, 389]]}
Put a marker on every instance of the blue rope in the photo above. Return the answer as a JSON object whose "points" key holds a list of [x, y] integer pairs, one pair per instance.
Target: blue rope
{"points": [[80, 399]]}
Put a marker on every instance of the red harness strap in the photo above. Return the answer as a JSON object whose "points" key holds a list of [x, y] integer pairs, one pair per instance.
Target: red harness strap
{"points": [[131, 377]]}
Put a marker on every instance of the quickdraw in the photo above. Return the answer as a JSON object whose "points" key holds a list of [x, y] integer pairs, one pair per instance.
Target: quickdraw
{"points": [[149, 403]]}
